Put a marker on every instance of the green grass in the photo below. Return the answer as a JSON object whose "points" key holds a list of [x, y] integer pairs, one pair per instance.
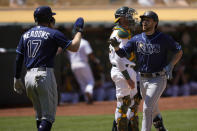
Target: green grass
{"points": [[179, 120]]}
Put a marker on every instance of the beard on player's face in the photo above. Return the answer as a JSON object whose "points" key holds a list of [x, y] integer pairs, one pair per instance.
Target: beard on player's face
{"points": [[148, 25]]}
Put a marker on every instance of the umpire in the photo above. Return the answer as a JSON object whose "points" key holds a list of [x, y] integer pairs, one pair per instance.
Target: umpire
{"points": [[37, 48]]}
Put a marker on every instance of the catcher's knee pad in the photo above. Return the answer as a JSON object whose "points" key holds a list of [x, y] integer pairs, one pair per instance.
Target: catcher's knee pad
{"points": [[126, 102], [123, 104], [158, 123], [121, 113]]}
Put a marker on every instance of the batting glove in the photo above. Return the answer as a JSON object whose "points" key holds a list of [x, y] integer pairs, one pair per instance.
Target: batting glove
{"points": [[18, 86], [168, 70], [114, 42], [78, 25]]}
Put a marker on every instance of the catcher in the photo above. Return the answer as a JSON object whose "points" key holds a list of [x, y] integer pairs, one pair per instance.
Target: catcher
{"points": [[123, 73]]}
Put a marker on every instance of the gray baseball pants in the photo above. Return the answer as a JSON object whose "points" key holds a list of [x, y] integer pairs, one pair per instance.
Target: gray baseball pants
{"points": [[41, 89], [151, 90]]}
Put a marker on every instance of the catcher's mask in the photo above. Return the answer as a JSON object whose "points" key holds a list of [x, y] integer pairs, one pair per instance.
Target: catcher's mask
{"points": [[127, 12], [43, 14], [150, 14]]}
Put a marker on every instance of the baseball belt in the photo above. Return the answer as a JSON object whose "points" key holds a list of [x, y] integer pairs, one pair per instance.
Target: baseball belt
{"points": [[127, 65], [152, 74], [37, 69]]}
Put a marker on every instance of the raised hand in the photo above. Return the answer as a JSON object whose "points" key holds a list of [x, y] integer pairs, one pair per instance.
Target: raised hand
{"points": [[78, 25]]}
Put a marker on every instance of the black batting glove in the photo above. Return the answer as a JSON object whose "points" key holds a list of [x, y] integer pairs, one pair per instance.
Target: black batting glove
{"points": [[78, 25], [114, 42]]}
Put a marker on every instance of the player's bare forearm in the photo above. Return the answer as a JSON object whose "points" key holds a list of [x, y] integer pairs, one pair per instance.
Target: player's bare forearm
{"points": [[74, 46], [131, 84], [176, 58]]}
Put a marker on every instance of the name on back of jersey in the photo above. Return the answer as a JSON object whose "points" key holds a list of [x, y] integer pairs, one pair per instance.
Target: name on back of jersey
{"points": [[38, 34]]}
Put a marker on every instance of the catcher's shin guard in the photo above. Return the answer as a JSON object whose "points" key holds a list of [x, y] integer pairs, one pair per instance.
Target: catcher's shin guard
{"points": [[158, 123], [122, 121], [133, 124], [134, 119], [122, 124]]}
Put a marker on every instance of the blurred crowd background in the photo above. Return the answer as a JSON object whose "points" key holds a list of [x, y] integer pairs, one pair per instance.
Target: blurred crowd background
{"points": [[184, 81], [63, 3]]}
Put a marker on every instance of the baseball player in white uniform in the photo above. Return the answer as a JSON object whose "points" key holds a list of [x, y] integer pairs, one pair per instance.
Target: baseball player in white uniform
{"points": [[123, 74], [82, 70]]}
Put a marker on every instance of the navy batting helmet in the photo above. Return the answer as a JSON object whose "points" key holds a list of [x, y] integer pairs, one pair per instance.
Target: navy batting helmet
{"points": [[43, 13], [150, 14], [125, 12]]}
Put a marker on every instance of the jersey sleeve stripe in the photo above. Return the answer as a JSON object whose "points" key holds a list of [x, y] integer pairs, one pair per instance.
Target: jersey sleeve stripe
{"points": [[19, 52], [67, 45]]}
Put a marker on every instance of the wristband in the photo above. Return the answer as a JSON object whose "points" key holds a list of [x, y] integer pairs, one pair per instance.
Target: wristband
{"points": [[126, 74]]}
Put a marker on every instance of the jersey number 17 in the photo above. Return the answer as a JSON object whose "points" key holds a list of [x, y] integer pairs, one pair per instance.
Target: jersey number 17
{"points": [[33, 47]]}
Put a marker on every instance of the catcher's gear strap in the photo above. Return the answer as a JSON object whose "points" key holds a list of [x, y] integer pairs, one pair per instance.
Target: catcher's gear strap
{"points": [[122, 33]]}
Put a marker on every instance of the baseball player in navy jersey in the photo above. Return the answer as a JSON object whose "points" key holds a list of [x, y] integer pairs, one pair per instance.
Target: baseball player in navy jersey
{"points": [[151, 48], [123, 74], [37, 48]]}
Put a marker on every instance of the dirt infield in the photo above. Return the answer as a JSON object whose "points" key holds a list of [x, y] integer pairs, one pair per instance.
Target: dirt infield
{"points": [[101, 108]]}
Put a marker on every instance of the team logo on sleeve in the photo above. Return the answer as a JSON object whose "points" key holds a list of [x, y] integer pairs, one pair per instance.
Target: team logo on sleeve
{"points": [[147, 48]]}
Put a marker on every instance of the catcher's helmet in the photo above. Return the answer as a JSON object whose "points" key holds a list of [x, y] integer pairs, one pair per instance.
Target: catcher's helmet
{"points": [[150, 14], [43, 13], [125, 12]]}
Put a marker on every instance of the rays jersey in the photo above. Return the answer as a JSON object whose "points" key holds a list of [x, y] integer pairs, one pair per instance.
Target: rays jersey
{"points": [[123, 36], [150, 50], [39, 46]]}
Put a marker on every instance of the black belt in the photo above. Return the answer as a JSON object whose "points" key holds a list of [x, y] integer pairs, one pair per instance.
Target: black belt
{"points": [[127, 65], [152, 74], [39, 69]]}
